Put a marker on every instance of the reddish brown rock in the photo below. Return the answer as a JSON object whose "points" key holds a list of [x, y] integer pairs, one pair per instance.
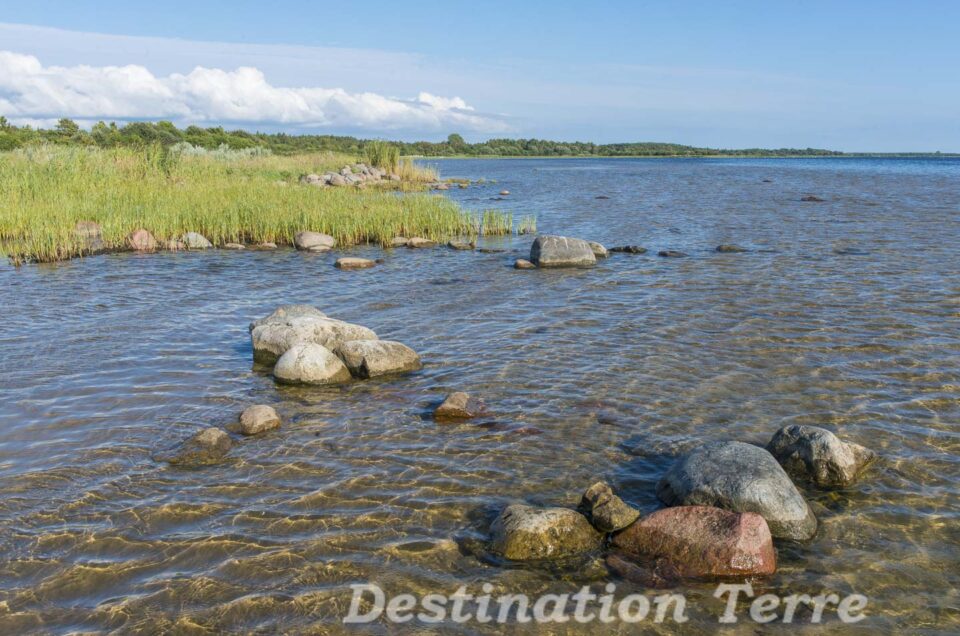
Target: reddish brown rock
{"points": [[702, 542], [459, 406], [141, 241]]}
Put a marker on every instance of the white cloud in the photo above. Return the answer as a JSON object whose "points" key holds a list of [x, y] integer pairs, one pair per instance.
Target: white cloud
{"points": [[31, 91]]}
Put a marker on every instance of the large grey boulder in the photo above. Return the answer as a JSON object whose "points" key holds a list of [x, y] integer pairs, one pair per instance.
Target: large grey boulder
{"points": [[309, 363], [206, 447], [741, 478], [523, 532], [313, 241], [293, 324], [608, 512], [816, 455], [561, 251], [372, 358]]}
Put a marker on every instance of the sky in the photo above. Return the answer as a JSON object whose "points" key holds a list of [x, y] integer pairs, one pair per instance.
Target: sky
{"points": [[848, 75]]}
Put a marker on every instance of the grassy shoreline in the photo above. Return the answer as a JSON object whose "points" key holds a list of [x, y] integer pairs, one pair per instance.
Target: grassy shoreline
{"points": [[47, 191]]}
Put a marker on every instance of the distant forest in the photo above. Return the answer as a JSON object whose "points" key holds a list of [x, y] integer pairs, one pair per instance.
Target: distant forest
{"points": [[165, 133]]}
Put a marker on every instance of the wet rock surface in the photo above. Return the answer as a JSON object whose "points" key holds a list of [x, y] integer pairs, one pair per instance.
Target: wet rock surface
{"points": [[561, 251], [310, 363], [608, 512], [460, 406], [373, 358], [255, 420], [208, 446], [523, 533], [818, 456]]}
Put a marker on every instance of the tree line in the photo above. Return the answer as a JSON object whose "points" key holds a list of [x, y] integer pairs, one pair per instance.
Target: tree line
{"points": [[134, 134]]}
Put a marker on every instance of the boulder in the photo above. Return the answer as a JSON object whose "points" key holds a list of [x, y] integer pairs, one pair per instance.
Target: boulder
{"points": [[337, 180], [195, 241], [459, 406], [310, 363], [816, 455], [741, 478], [372, 358], [141, 241], [523, 532], [560, 251], [399, 241], [234, 246], [313, 241], [608, 512], [350, 262], [521, 263], [417, 242], [256, 419], [702, 542], [728, 248], [671, 254], [460, 245], [629, 249], [293, 324], [598, 250], [206, 447]]}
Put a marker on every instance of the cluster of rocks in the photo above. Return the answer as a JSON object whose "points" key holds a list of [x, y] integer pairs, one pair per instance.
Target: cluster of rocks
{"points": [[305, 346], [212, 444], [726, 503], [357, 174]]}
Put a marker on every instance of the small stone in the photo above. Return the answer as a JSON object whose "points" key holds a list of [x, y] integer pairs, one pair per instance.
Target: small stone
{"points": [[504, 193], [728, 248], [234, 246], [417, 242], [313, 241], [608, 512], [256, 419], [206, 447], [460, 405], [811, 199], [141, 241], [459, 245], [671, 254], [441, 186], [629, 249], [521, 263], [601, 196], [522, 533], [598, 250], [195, 241], [309, 363], [311, 179], [816, 455], [350, 262], [267, 246]]}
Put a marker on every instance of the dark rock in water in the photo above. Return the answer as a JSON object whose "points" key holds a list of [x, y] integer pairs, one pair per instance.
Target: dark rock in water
{"points": [[602, 196], [742, 478], [702, 542], [460, 245], [608, 512], [491, 250], [629, 249], [768, 180], [373, 358], [460, 405], [816, 455], [811, 199], [850, 251], [523, 264], [256, 419], [728, 248], [206, 447], [670, 254], [561, 251], [523, 532], [655, 573]]}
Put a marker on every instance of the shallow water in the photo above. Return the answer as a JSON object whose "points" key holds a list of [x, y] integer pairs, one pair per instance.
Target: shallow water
{"points": [[843, 314]]}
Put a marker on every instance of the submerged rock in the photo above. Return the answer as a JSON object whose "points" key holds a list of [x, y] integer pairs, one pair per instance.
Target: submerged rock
{"points": [[206, 447], [811, 199], [561, 251], [728, 248], [417, 242], [629, 249], [141, 241], [460, 245], [702, 542], [816, 455], [671, 254], [608, 512], [460, 406], [256, 419], [598, 250], [313, 241], [349, 262], [741, 478], [523, 264], [652, 573], [310, 363], [373, 358], [523, 532], [195, 241]]}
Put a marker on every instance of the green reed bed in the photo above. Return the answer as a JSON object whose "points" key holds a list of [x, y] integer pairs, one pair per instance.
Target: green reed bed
{"points": [[45, 192]]}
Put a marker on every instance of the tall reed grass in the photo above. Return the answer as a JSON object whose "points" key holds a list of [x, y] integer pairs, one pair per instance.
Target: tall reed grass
{"points": [[46, 191]]}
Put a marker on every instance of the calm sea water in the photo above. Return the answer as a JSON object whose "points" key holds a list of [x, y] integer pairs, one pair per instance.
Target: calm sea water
{"points": [[844, 314]]}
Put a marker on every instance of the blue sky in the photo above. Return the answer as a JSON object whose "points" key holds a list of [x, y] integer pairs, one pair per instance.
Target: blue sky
{"points": [[850, 75]]}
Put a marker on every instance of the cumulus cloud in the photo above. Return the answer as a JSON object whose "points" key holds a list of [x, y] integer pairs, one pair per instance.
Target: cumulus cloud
{"points": [[31, 91]]}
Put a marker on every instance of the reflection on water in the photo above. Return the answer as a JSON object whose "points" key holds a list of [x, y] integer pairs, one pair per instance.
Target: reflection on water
{"points": [[844, 314]]}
